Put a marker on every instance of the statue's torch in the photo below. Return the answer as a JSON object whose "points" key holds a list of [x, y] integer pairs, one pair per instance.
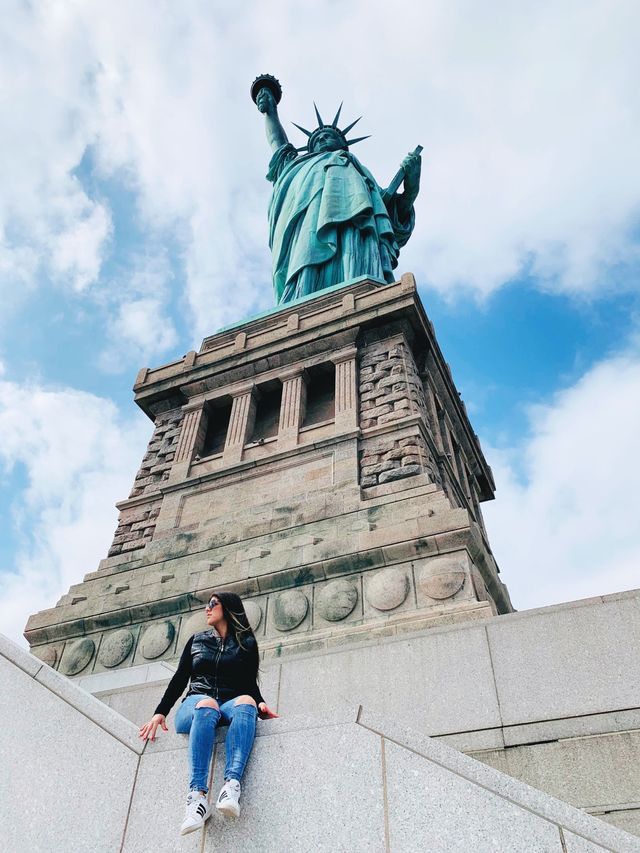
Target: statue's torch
{"points": [[266, 81]]}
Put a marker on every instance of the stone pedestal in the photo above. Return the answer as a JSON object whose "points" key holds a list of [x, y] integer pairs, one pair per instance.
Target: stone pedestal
{"points": [[317, 460]]}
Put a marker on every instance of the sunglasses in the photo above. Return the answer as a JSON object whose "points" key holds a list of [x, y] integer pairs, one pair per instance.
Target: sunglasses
{"points": [[213, 602]]}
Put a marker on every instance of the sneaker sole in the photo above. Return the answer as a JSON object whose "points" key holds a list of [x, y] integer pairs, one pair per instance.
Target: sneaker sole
{"points": [[197, 826], [228, 809]]}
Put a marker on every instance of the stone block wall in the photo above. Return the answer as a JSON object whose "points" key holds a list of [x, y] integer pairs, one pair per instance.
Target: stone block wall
{"points": [[156, 462], [137, 524], [390, 387], [390, 391], [384, 459], [135, 529]]}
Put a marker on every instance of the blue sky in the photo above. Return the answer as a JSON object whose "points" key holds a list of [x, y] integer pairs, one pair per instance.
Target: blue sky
{"points": [[133, 223]]}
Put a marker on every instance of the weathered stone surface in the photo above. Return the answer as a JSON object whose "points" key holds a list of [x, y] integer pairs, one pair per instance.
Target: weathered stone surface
{"points": [[468, 816], [77, 656], [576, 844], [379, 410], [561, 675], [336, 600], [156, 639], [115, 647], [399, 473], [582, 771], [440, 584], [48, 655], [387, 589], [254, 614], [368, 470], [163, 776], [74, 755], [279, 769], [290, 609]]}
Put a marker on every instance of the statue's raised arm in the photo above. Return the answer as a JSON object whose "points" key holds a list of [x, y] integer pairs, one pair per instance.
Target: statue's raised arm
{"points": [[266, 92], [329, 220]]}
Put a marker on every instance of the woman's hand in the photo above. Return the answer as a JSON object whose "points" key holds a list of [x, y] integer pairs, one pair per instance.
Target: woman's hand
{"points": [[265, 712], [148, 731]]}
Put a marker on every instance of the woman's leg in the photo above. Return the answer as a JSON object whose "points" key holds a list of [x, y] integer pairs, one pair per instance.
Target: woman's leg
{"points": [[206, 716], [240, 737], [241, 714], [184, 715]]}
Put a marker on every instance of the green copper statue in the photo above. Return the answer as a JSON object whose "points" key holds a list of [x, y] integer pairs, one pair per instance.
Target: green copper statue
{"points": [[329, 221]]}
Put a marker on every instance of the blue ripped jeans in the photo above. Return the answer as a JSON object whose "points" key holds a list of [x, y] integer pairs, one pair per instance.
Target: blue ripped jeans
{"points": [[200, 724]]}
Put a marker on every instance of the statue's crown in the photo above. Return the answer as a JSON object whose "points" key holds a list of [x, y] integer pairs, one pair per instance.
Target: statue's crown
{"points": [[342, 134]]}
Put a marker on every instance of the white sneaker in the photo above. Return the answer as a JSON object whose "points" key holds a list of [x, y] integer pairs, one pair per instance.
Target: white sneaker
{"points": [[228, 797], [198, 810]]}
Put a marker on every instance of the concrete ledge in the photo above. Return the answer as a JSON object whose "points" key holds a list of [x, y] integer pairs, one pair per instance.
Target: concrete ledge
{"points": [[95, 710], [393, 789], [512, 790]]}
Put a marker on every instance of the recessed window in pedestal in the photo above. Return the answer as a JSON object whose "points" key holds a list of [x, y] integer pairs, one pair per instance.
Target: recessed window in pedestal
{"points": [[267, 418], [218, 415], [321, 394]]}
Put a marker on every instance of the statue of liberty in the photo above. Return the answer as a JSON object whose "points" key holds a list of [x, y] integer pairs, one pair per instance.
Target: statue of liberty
{"points": [[329, 221]]}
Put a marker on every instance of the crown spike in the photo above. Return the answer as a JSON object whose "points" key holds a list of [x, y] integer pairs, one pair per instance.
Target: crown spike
{"points": [[353, 124], [359, 139], [334, 123], [304, 130], [318, 116]]}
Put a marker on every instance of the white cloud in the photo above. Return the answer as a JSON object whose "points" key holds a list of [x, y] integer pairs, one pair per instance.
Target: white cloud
{"points": [[530, 121], [78, 456], [528, 116], [47, 221], [564, 524], [78, 251], [139, 328]]}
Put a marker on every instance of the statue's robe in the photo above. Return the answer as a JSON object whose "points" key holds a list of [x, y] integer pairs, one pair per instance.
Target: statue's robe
{"points": [[328, 223]]}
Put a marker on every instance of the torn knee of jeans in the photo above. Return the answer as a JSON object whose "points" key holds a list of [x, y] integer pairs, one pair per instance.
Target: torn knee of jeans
{"points": [[207, 704], [244, 708]]}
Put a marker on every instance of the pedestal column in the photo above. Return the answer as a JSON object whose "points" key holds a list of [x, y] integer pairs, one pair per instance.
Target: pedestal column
{"points": [[243, 412], [190, 439], [292, 408], [346, 392]]}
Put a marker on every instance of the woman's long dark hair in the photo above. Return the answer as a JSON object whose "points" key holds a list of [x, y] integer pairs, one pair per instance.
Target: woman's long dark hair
{"points": [[235, 614], [238, 622]]}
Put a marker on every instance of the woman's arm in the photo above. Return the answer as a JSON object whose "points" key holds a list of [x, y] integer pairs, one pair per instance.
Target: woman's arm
{"points": [[174, 690], [251, 675]]}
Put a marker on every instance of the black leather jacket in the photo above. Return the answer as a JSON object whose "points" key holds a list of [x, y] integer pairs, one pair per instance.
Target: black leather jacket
{"points": [[216, 668]]}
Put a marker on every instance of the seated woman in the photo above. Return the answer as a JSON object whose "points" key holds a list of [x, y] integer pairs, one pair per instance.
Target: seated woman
{"points": [[222, 666]]}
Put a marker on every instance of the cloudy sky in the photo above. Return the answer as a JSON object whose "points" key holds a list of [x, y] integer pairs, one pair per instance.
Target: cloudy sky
{"points": [[133, 222]]}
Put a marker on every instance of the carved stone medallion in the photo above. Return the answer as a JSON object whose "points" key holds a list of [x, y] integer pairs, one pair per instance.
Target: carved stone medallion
{"points": [[48, 655], [77, 656], [442, 586], [387, 589], [336, 600], [115, 647], [290, 609], [157, 639], [254, 613]]}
